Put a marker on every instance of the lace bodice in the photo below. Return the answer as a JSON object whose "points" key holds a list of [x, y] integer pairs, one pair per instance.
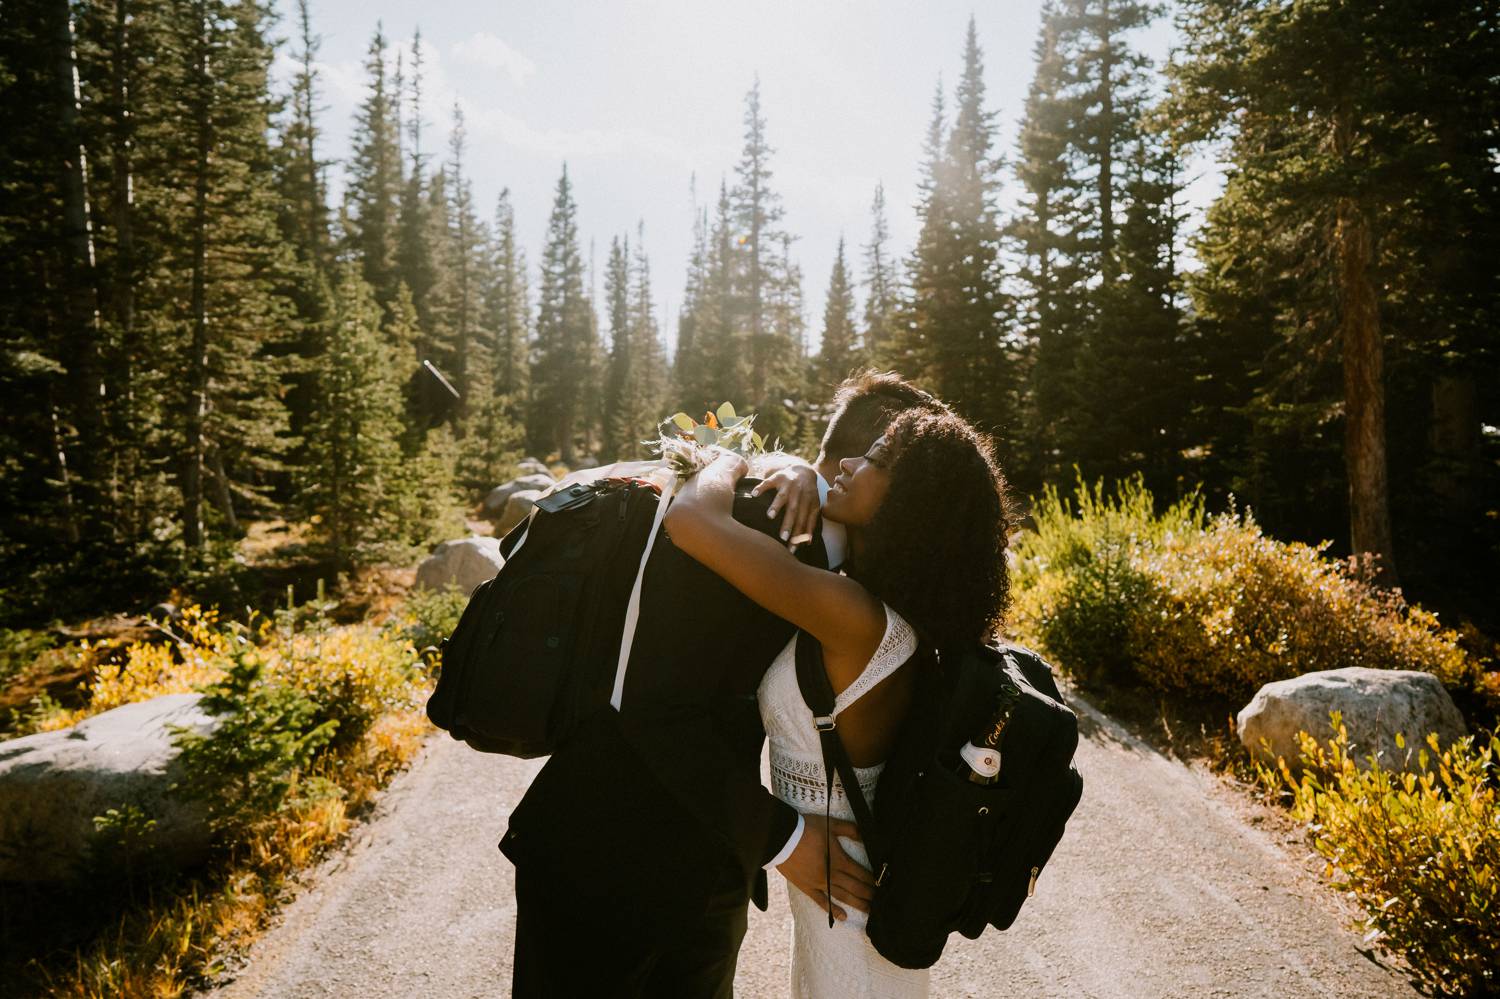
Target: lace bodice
{"points": [[797, 775]]}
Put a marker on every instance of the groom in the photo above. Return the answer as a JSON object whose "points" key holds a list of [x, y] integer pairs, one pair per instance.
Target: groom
{"points": [[639, 843]]}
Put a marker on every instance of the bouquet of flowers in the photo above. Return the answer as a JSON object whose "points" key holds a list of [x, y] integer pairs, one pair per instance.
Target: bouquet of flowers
{"points": [[687, 445]]}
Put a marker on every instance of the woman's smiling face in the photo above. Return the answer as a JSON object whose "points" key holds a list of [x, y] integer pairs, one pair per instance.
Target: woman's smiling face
{"points": [[860, 486]]}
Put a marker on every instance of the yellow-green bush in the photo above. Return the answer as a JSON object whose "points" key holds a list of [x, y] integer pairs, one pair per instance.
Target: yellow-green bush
{"points": [[1205, 605], [1420, 853], [317, 717]]}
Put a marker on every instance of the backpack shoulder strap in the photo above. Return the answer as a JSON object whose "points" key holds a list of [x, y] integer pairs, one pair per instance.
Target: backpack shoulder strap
{"points": [[817, 693], [633, 607]]}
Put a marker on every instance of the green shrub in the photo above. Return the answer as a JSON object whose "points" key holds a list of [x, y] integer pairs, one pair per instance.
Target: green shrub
{"points": [[429, 616], [1421, 853], [19, 647], [270, 733], [1205, 606], [1079, 581]]}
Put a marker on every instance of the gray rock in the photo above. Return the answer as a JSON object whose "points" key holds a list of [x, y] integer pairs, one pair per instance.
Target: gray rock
{"points": [[531, 466], [516, 508], [494, 503], [584, 461], [53, 784], [464, 563], [1375, 705]]}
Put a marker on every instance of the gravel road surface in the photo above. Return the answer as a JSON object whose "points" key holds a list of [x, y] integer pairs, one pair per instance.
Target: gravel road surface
{"points": [[1166, 884]]}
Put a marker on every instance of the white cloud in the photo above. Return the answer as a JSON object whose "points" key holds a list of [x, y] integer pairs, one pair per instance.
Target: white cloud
{"points": [[489, 51]]}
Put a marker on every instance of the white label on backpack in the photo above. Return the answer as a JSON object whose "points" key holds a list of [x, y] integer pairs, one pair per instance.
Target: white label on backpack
{"points": [[982, 760]]}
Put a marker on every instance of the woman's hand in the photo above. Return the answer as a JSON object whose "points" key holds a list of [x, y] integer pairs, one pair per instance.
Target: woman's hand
{"points": [[796, 489], [730, 464]]}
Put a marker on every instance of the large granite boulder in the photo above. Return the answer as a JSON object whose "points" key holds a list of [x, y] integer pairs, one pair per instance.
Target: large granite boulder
{"points": [[517, 507], [464, 563], [1375, 705], [53, 784], [531, 466], [494, 503]]}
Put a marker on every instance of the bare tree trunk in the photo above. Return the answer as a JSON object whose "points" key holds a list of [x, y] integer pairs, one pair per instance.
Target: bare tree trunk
{"points": [[1106, 179], [123, 298], [1364, 391], [81, 317], [197, 407], [70, 516], [221, 488]]}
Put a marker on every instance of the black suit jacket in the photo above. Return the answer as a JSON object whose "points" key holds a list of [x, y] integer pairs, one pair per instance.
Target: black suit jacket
{"points": [[659, 807]]}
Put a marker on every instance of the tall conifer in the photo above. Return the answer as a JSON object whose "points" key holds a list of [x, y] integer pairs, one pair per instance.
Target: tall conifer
{"points": [[561, 371], [840, 352]]}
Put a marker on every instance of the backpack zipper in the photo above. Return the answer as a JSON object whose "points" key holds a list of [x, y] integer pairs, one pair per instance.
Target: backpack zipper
{"points": [[1031, 885]]}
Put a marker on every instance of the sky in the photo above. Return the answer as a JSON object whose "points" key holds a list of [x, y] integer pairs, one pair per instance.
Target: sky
{"points": [[639, 98]]}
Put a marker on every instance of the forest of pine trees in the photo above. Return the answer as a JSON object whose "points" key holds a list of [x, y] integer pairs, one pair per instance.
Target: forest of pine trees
{"points": [[194, 335]]}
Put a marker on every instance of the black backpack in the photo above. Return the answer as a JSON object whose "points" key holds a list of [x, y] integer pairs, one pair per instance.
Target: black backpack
{"points": [[545, 643], [951, 855], [538, 647]]}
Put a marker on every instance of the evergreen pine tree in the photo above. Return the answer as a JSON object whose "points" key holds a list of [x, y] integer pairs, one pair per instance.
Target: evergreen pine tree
{"points": [[353, 454], [1048, 231], [464, 260], [881, 292], [690, 365], [564, 336], [840, 352], [648, 358], [375, 179], [619, 372], [416, 263], [229, 258], [958, 309], [757, 216], [1324, 107], [507, 314]]}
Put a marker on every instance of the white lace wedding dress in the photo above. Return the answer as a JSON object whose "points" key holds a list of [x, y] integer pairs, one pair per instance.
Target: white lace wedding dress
{"points": [[837, 962]]}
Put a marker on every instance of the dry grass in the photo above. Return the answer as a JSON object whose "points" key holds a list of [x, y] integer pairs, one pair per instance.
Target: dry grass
{"points": [[172, 945], [165, 937]]}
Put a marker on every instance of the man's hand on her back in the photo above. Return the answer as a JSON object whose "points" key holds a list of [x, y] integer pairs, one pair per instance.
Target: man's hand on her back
{"points": [[796, 488], [852, 884]]}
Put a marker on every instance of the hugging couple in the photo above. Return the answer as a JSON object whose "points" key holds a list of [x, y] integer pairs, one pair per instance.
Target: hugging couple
{"points": [[639, 843]]}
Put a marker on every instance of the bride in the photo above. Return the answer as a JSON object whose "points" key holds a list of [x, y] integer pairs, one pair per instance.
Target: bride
{"points": [[925, 514]]}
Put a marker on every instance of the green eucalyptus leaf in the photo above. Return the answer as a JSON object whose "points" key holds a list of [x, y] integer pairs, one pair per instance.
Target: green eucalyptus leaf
{"points": [[760, 443], [726, 412], [683, 420], [705, 435]]}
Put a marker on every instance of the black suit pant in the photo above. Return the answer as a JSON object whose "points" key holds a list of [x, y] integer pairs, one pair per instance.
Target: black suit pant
{"points": [[568, 947]]}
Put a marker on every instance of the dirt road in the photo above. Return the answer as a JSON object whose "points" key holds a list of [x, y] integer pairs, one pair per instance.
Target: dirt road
{"points": [[1165, 885]]}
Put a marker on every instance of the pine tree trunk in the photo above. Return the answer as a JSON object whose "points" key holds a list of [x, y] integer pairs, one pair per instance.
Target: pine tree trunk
{"points": [[221, 489], [1364, 391], [197, 373], [123, 297], [1106, 178], [1457, 451], [80, 349]]}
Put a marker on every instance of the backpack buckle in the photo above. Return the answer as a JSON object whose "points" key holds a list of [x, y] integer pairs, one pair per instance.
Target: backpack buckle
{"points": [[824, 723]]}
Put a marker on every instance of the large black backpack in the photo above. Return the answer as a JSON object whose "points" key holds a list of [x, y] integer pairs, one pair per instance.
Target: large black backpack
{"points": [[545, 643], [538, 646], [951, 855]]}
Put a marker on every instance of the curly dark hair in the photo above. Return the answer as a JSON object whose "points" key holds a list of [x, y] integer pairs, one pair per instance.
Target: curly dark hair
{"points": [[935, 550]]}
